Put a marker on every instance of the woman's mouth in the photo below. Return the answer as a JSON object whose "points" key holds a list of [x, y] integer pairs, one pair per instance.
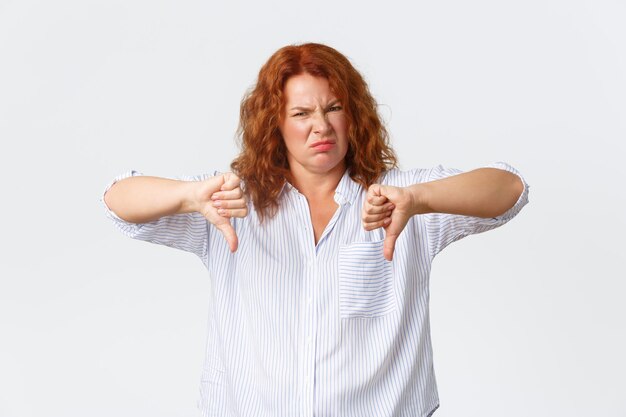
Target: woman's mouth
{"points": [[323, 145]]}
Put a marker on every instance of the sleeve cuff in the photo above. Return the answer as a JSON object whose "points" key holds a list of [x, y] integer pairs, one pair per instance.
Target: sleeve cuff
{"points": [[110, 213], [523, 198]]}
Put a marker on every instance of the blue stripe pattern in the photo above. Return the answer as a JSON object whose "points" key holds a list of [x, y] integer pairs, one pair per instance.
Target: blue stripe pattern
{"points": [[333, 329]]}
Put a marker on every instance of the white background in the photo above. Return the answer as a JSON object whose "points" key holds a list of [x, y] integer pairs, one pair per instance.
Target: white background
{"points": [[527, 320]]}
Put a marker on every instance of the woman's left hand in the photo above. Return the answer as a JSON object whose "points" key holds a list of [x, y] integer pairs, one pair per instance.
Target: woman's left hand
{"points": [[391, 208]]}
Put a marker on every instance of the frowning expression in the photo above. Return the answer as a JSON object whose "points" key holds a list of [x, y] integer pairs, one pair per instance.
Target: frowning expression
{"points": [[313, 126]]}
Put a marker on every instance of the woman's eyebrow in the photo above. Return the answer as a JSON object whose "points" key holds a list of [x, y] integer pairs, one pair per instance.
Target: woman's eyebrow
{"points": [[332, 103]]}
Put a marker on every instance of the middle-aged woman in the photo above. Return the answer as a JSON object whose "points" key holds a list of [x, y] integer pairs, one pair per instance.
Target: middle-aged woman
{"points": [[320, 287]]}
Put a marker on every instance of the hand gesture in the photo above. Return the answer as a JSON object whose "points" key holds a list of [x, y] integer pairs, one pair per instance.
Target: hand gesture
{"points": [[219, 198], [390, 208]]}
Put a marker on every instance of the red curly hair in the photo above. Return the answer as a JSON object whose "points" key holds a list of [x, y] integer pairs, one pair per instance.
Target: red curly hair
{"points": [[262, 164]]}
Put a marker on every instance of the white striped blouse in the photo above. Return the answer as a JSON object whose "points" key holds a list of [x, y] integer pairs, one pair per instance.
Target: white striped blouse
{"points": [[333, 329]]}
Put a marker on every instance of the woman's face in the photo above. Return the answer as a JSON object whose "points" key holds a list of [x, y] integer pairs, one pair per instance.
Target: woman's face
{"points": [[314, 126]]}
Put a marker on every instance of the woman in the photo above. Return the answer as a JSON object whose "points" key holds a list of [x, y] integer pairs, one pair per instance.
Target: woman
{"points": [[321, 277]]}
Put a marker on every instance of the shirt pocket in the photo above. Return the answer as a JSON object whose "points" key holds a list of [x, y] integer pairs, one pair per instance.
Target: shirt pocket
{"points": [[365, 281]]}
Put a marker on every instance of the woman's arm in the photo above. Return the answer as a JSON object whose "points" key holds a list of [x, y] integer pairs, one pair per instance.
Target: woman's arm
{"points": [[484, 192], [142, 199]]}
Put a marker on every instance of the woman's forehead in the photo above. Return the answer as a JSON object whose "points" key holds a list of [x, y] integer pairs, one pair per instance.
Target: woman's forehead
{"points": [[306, 87]]}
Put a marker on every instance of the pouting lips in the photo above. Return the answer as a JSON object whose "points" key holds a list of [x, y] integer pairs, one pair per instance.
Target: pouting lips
{"points": [[326, 144]]}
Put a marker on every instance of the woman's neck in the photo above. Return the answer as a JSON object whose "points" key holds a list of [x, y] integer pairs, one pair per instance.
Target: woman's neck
{"points": [[316, 185]]}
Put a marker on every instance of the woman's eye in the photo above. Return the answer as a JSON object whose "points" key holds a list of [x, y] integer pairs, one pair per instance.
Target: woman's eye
{"points": [[335, 108], [299, 114]]}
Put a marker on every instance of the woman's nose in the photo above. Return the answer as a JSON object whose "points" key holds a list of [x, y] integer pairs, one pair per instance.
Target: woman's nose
{"points": [[320, 123]]}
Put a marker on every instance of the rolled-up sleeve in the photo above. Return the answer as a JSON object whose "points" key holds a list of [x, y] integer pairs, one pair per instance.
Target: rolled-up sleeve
{"points": [[188, 231], [444, 228]]}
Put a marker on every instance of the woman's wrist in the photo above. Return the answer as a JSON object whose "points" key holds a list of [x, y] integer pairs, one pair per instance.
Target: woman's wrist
{"points": [[419, 199], [188, 196]]}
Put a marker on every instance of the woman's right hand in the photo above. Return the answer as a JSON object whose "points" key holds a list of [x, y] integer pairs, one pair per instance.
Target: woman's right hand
{"points": [[218, 199]]}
